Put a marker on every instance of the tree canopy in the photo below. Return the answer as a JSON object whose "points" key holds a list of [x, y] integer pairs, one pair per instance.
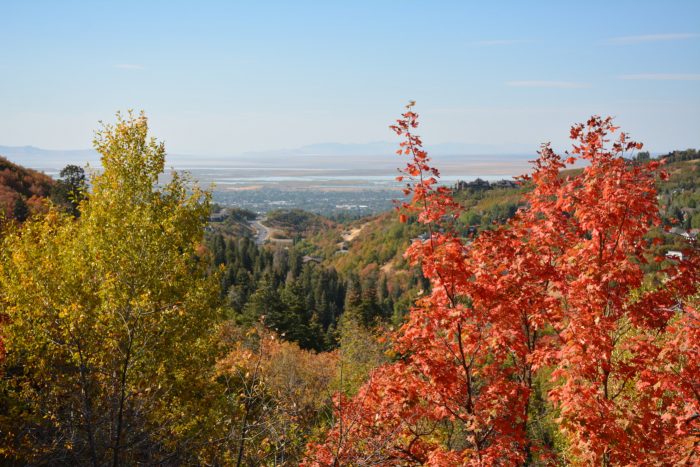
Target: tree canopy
{"points": [[110, 317], [541, 341]]}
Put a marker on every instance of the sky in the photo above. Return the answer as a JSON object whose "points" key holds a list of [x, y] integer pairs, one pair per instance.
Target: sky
{"points": [[218, 78]]}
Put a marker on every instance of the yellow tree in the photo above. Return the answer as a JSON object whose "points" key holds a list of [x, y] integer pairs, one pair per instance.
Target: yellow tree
{"points": [[111, 318]]}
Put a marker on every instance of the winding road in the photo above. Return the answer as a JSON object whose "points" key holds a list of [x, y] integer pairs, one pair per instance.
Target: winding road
{"points": [[263, 233]]}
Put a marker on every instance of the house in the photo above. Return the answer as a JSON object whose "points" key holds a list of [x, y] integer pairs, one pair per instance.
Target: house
{"points": [[690, 236], [672, 254], [422, 237], [504, 184], [217, 216], [307, 259]]}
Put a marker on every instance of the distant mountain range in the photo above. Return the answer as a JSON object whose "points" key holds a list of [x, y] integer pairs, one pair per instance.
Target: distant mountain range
{"points": [[323, 156], [33, 157]]}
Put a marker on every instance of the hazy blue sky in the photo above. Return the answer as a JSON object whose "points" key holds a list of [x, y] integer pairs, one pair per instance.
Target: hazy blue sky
{"points": [[224, 77]]}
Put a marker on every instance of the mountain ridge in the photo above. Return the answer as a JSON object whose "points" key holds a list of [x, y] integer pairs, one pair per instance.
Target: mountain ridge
{"points": [[307, 155]]}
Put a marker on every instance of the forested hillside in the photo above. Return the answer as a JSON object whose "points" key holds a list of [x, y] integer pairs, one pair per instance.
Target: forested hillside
{"points": [[361, 265], [297, 223], [24, 192], [21, 190], [546, 322]]}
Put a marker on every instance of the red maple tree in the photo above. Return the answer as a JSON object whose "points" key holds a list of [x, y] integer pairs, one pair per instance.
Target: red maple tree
{"points": [[558, 294]]}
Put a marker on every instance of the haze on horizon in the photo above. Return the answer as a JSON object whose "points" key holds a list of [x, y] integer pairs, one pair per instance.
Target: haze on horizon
{"points": [[223, 78]]}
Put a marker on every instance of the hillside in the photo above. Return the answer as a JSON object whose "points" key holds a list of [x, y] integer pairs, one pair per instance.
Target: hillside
{"points": [[297, 223], [330, 270], [373, 247], [382, 239], [231, 222], [21, 190]]}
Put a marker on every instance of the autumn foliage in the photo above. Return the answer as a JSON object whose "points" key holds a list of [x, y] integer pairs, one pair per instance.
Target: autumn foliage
{"points": [[280, 390], [110, 319], [550, 313], [21, 190]]}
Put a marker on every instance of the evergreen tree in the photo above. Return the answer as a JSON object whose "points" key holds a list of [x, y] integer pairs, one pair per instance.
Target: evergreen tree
{"points": [[20, 211]]}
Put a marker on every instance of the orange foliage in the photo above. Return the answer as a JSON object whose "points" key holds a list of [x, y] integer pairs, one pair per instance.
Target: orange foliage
{"points": [[560, 287], [282, 391], [17, 182]]}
